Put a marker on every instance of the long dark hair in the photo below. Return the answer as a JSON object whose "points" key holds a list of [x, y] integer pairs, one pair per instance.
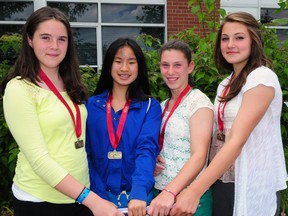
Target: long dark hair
{"points": [[27, 64], [257, 56], [140, 88]]}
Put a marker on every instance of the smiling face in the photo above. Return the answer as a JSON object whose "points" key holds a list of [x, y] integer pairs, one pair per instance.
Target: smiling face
{"points": [[175, 69], [236, 44], [50, 43], [124, 69]]}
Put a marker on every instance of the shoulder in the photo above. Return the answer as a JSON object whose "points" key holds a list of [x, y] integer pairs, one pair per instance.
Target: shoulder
{"points": [[21, 86], [198, 99], [261, 76]]}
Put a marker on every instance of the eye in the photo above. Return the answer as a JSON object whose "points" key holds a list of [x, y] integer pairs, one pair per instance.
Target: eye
{"points": [[44, 37], [239, 38], [62, 39], [132, 62], [224, 39], [164, 65]]}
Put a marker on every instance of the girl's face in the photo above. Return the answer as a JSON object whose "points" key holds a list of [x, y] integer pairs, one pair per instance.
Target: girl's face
{"points": [[124, 69], [175, 69], [236, 44], [50, 43]]}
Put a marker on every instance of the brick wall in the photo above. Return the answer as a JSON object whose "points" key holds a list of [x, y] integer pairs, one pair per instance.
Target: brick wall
{"points": [[179, 17]]}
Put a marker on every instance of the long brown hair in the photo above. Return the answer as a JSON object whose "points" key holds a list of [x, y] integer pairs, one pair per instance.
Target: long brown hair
{"points": [[257, 56], [27, 64]]}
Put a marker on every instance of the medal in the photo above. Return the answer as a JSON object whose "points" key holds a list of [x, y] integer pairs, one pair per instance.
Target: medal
{"points": [[221, 136], [115, 154], [79, 144], [220, 116], [115, 139], [77, 122]]}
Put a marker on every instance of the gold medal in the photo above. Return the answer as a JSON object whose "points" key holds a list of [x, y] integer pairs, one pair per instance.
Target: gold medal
{"points": [[115, 155], [79, 144], [221, 136]]}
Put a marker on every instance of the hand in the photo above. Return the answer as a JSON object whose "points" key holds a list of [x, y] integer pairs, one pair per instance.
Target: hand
{"points": [[186, 204], [136, 208], [160, 162], [161, 205], [104, 207]]}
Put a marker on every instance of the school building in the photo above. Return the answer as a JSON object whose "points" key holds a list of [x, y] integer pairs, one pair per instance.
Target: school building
{"points": [[96, 23]]}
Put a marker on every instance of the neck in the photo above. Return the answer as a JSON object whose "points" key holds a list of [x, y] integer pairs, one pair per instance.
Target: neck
{"points": [[119, 98], [175, 93], [55, 78]]}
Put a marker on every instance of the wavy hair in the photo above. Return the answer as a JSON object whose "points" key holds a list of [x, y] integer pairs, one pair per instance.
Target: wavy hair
{"points": [[257, 56]]}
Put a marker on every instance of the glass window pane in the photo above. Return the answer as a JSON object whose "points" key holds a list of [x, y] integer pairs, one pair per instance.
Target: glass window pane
{"points": [[282, 34], [268, 14], [108, 34], [78, 12], [86, 46], [123, 13], [6, 29], [15, 11]]}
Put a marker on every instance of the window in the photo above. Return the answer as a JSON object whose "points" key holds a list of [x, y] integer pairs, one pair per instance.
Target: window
{"points": [[95, 23], [269, 14]]}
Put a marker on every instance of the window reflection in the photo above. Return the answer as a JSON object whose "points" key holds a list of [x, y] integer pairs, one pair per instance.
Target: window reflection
{"points": [[109, 34], [6, 29], [15, 11], [269, 14], [282, 34], [122, 13], [86, 46], [77, 12]]}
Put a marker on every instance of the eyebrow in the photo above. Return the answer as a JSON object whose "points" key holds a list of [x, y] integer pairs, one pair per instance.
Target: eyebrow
{"points": [[47, 34]]}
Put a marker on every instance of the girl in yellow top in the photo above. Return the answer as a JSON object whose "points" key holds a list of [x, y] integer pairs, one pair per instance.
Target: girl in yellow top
{"points": [[43, 106]]}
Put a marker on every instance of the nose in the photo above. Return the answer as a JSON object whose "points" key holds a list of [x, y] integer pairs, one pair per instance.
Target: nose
{"points": [[124, 66], [54, 44], [230, 43], [170, 69]]}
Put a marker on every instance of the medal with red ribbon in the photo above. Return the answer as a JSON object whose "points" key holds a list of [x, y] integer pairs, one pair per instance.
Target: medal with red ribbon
{"points": [[176, 104], [220, 116], [114, 140], [77, 123]]}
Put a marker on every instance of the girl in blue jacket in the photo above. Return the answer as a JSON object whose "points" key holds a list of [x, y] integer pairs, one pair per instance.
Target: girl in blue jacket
{"points": [[122, 129]]}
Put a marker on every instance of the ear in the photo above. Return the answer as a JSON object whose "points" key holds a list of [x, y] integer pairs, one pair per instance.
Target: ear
{"points": [[29, 41], [191, 67]]}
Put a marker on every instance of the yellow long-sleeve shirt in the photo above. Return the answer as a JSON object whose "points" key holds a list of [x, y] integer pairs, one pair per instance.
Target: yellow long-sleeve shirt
{"points": [[45, 134]]}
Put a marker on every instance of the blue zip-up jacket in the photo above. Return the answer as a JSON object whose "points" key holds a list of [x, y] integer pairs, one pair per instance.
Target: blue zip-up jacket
{"points": [[139, 146]]}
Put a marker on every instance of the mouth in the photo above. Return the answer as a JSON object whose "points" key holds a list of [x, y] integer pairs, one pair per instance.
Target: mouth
{"points": [[52, 55], [124, 76], [172, 79]]}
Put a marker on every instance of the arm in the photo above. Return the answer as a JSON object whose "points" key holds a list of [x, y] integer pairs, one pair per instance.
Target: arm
{"points": [[22, 118], [146, 153], [254, 105], [201, 125]]}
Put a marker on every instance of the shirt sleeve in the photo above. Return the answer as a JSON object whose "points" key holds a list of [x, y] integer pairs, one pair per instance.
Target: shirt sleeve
{"points": [[199, 100], [260, 76], [21, 116], [146, 153]]}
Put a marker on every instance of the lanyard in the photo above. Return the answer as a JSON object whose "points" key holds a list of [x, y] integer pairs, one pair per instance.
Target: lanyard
{"points": [[51, 86], [115, 140], [178, 101], [221, 112]]}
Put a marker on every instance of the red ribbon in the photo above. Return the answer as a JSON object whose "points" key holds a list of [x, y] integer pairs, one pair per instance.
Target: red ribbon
{"points": [[178, 101], [51, 86], [115, 140], [221, 120]]}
